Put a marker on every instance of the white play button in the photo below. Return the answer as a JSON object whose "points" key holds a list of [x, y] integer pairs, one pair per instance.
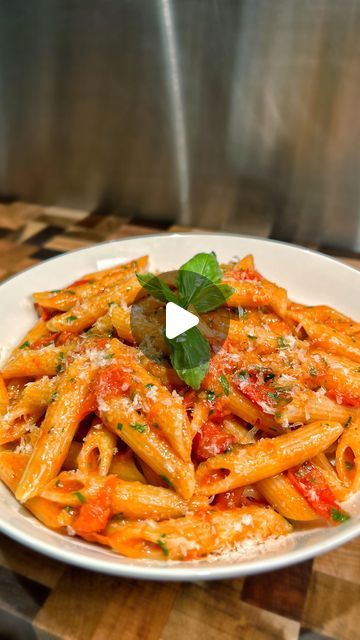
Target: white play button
{"points": [[178, 320]]}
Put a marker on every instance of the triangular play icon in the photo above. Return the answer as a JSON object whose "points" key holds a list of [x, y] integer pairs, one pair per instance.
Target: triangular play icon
{"points": [[178, 320]]}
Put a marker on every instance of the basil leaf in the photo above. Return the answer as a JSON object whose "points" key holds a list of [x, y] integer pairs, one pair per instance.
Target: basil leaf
{"points": [[156, 287], [211, 296], [198, 283], [205, 264], [190, 355], [195, 275]]}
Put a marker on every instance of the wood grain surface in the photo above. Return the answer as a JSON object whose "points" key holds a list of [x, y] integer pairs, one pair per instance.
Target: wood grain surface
{"points": [[43, 598]]}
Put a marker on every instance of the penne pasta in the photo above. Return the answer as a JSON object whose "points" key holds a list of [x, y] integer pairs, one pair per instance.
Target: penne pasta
{"points": [[194, 536], [4, 396], [121, 418], [97, 451], [348, 457], [282, 495], [57, 430], [31, 363], [113, 432], [83, 314], [267, 457], [12, 466], [161, 408]]}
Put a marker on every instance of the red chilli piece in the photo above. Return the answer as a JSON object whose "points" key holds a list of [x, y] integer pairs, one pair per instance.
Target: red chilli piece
{"points": [[94, 515], [310, 482], [44, 341], [211, 440], [111, 382], [343, 398]]}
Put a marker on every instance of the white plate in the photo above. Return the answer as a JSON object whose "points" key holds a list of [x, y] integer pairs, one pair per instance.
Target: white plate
{"points": [[309, 277]]}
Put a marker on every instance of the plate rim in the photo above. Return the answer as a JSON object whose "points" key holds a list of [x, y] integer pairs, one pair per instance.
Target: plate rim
{"points": [[183, 234], [189, 571]]}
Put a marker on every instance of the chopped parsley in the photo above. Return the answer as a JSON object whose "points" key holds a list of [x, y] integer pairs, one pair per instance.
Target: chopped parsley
{"points": [[224, 384], [25, 345], [60, 366], [54, 395], [162, 544], [80, 496], [69, 509], [282, 343], [119, 426], [149, 385], [339, 516], [279, 395], [242, 374], [109, 356], [348, 422], [141, 428], [313, 372], [110, 304], [268, 375], [71, 319], [251, 336], [167, 481], [210, 395]]}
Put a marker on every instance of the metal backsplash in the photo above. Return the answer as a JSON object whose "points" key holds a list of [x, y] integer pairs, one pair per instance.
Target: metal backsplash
{"points": [[233, 114]]}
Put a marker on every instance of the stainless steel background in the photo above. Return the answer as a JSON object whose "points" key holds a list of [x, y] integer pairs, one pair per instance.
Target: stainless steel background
{"points": [[234, 114]]}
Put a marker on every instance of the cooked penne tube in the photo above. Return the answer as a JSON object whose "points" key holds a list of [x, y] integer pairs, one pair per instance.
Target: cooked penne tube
{"points": [[83, 314], [277, 490], [97, 451], [194, 536], [136, 500], [33, 363], [332, 340], [93, 284], [12, 466], [29, 407], [121, 320], [71, 460], [161, 370], [267, 457], [4, 397], [121, 418], [162, 408], [339, 489], [57, 429], [282, 495], [124, 466], [39, 330], [348, 457], [250, 293], [321, 314], [137, 265], [309, 406]]}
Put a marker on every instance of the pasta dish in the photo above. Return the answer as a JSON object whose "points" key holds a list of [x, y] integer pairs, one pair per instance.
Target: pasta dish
{"points": [[246, 427]]}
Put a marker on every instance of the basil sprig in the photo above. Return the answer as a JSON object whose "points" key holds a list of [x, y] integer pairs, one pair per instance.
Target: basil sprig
{"points": [[198, 284]]}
